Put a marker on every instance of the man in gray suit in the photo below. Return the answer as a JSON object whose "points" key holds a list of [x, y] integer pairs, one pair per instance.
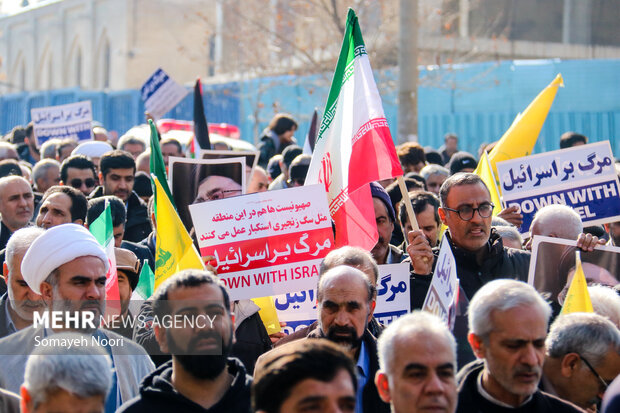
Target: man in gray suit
{"points": [[68, 267]]}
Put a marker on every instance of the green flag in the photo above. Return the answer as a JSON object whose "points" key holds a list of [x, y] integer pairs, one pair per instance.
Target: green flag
{"points": [[146, 282], [158, 168]]}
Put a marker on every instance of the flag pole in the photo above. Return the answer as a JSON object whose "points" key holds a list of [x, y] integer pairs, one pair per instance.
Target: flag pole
{"points": [[403, 190], [412, 219]]}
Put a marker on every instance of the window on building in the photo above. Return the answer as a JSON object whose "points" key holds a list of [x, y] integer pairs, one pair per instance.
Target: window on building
{"points": [[106, 65], [78, 68], [22, 77]]}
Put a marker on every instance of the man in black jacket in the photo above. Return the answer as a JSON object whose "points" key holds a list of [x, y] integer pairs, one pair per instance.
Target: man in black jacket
{"points": [[508, 323], [478, 250], [346, 302], [277, 136], [383, 252], [200, 377], [116, 176], [480, 255]]}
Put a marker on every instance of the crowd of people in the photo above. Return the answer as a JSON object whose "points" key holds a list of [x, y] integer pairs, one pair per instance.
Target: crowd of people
{"points": [[510, 349]]}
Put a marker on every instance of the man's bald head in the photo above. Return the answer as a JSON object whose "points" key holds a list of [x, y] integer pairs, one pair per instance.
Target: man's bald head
{"points": [[345, 306], [559, 221], [7, 180], [16, 202], [344, 276]]}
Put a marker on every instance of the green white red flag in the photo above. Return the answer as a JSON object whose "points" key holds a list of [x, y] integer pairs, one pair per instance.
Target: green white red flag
{"points": [[102, 230], [354, 145]]}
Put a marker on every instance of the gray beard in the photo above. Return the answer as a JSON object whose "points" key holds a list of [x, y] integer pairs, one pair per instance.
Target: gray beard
{"points": [[59, 303]]}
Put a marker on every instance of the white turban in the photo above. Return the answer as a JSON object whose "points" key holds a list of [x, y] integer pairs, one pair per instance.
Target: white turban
{"points": [[55, 247], [92, 149]]}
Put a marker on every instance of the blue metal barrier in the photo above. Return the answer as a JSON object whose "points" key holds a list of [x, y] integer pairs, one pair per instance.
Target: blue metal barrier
{"points": [[476, 101]]}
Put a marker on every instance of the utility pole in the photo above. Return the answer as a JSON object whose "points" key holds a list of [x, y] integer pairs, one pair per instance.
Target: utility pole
{"points": [[408, 72]]}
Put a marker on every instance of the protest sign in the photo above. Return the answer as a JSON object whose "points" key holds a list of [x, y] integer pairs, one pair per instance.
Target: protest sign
{"points": [[73, 120], [442, 294], [266, 243], [189, 182], [553, 264], [298, 309], [582, 177], [160, 93], [251, 159]]}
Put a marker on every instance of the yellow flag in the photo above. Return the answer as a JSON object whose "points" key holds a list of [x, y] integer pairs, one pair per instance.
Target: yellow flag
{"points": [[578, 299], [268, 314], [521, 136], [174, 250], [486, 174]]}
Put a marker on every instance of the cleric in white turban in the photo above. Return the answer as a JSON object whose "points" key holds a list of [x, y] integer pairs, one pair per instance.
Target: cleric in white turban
{"points": [[55, 247]]}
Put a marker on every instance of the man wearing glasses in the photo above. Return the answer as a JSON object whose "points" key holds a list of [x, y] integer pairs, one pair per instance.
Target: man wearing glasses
{"points": [[216, 187], [466, 210], [480, 255], [582, 358], [78, 172]]}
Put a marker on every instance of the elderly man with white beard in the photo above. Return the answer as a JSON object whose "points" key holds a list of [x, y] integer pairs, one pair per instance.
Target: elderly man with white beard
{"points": [[67, 267], [19, 303]]}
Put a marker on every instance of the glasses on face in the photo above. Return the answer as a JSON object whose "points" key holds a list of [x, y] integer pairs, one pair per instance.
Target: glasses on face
{"points": [[598, 376], [466, 212], [77, 183], [218, 194]]}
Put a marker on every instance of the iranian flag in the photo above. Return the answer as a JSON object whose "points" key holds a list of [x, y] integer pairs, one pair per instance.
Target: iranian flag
{"points": [[354, 146], [102, 230]]}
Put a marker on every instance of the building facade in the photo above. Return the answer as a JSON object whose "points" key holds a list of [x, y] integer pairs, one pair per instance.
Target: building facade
{"points": [[117, 44]]}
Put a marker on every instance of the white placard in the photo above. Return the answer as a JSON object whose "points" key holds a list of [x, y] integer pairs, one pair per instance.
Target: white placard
{"points": [[73, 121], [266, 243], [160, 93]]}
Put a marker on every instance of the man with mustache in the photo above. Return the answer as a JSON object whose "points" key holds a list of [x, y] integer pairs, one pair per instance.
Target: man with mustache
{"points": [[116, 177], [62, 204], [508, 323], [67, 267], [478, 249], [346, 301], [354, 257], [19, 303], [480, 255], [383, 252], [200, 377]]}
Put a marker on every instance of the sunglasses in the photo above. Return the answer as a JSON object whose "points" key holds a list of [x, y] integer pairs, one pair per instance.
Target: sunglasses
{"points": [[77, 183]]}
